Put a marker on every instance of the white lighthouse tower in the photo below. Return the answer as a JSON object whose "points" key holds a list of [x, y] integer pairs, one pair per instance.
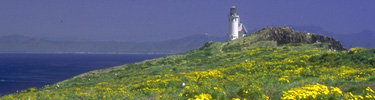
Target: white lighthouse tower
{"points": [[235, 29]]}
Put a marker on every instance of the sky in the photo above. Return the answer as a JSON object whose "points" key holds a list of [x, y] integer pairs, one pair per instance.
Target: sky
{"points": [[159, 20]]}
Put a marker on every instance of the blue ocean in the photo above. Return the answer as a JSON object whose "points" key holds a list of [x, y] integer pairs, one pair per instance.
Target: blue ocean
{"points": [[22, 71]]}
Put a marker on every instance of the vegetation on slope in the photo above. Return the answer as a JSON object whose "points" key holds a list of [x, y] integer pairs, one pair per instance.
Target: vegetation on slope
{"points": [[260, 70]]}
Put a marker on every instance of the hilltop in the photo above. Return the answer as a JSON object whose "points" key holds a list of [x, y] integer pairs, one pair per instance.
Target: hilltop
{"points": [[272, 63], [274, 36]]}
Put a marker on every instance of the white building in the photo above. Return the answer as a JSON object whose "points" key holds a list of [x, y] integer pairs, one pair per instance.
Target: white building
{"points": [[235, 28]]}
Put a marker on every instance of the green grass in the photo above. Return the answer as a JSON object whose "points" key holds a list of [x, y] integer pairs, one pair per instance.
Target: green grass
{"points": [[244, 68]]}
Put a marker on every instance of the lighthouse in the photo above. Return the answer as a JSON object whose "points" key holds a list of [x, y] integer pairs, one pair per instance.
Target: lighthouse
{"points": [[235, 28]]}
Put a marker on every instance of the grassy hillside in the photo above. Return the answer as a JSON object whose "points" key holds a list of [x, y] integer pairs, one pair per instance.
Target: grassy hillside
{"points": [[246, 68]]}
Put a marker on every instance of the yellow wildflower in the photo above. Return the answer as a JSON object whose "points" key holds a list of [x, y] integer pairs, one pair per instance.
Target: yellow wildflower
{"points": [[187, 87], [265, 97], [306, 92], [368, 89], [369, 96], [203, 96], [284, 79], [336, 90], [236, 99]]}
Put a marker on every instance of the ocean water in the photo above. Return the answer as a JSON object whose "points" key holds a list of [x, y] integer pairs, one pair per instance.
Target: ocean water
{"points": [[22, 71]]}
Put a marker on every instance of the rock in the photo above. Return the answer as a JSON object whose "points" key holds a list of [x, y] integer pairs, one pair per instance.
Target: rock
{"points": [[284, 35]]}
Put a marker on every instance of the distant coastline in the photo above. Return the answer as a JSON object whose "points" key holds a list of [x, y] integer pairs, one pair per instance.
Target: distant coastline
{"points": [[20, 71], [23, 44]]}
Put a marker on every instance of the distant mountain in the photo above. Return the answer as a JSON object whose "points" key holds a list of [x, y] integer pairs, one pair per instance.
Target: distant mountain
{"points": [[362, 39], [312, 29], [23, 44]]}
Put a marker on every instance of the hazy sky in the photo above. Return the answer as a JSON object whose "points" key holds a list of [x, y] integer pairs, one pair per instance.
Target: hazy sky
{"points": [[153, 20]]}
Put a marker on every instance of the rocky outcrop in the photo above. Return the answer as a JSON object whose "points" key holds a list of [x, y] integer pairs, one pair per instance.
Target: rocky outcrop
{"points": [[284, 35]]}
